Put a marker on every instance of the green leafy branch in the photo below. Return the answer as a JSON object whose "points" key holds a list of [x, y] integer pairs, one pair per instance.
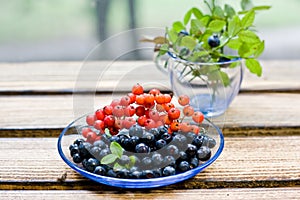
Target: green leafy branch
{"points": [[188, 39]]}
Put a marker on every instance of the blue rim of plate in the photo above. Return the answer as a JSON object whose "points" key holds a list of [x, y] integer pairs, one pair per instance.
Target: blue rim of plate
{"points": [[140, 183]]}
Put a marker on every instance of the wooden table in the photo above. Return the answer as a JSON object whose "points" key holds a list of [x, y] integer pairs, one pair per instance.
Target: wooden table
{"points": [[261, 158]]}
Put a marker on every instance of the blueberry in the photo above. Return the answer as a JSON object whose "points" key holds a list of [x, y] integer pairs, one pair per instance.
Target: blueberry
{"points": [[166, 137], [72, 146], [162, 130], [136, 130], [169, 160], [155, 132], [183, 33], [157, 172], [142, 148], [182, 156], [223, 59], [100, 143], [136, 174], [190, 136], [191, 150], [213, 41], [100, 170], [125, 143], [133, 141], [203, 153], [198, 141], [184, 166], [168, 171], [111, 173], [194, 162], [180, 141], [157, 159], [95, 150], [172, 150], [148, 139], [78, 141], [84, 149], [123, 173], [124, 160], [105, 139], [148, 174], [91, 164], [211, 142], [74, 150], [160, 144], [147, 162], [84, 161], [114, 139], [77, 158], [103, 153]]}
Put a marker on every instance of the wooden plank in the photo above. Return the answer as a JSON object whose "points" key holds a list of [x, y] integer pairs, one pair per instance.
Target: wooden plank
{"points": [[274, 161], [61, 77], [205, 194], [249, 114]]}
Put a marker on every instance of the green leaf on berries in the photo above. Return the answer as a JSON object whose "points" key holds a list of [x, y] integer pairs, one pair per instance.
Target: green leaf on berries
{"points": [[117, 166], [132, 161], [216, 25], [108, 159], [116, 149], [254, 66], [248, 19], [107, 132]]}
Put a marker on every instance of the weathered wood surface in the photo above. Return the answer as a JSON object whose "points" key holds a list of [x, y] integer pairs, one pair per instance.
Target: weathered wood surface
{"points": [[205, 194], [250, 113], [261, 158], [62, 77], [274, 161]]}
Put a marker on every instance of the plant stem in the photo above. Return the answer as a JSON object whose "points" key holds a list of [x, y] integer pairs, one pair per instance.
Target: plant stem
{"points": [[210, 8]]}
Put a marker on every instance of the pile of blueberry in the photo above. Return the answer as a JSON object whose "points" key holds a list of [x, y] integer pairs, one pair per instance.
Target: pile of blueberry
{"points": [[156, 152], [143, 135]]}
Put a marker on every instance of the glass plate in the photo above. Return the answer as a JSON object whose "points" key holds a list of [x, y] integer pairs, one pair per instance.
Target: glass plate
{"points": [[69, 134]]}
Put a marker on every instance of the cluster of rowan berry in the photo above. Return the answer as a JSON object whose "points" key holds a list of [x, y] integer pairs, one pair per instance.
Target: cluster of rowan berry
{"points": [[148, 109]]}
